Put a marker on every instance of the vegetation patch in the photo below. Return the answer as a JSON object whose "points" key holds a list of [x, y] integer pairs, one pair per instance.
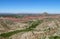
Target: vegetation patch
{"points": [[54, 37]]}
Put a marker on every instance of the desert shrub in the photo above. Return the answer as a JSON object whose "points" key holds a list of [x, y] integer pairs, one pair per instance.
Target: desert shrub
{"points": [[54, 37]]}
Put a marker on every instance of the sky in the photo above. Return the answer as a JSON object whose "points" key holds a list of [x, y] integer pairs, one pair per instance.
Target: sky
{"points": [[29, 6]]}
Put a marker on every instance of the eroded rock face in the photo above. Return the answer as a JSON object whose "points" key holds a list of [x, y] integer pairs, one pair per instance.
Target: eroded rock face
{"points": [[29, 35], [8, 26], [42, 31]]}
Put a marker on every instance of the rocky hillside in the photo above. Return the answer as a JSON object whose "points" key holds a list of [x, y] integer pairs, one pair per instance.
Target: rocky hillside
{"points": [[47, 28]]}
